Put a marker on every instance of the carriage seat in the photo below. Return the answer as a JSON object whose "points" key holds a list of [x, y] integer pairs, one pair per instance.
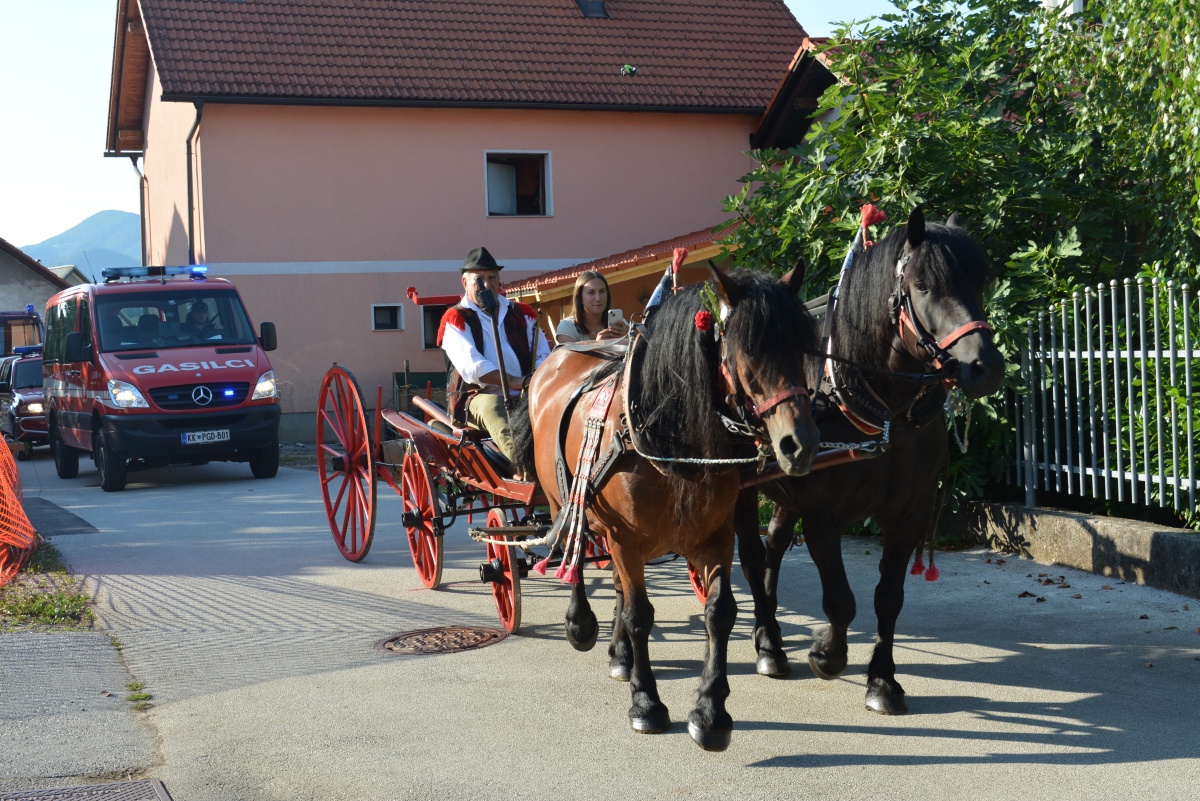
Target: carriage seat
{"points": [[439, 421]]}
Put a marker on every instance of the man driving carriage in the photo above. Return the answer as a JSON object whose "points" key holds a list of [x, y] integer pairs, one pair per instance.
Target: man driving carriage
{"points": [[474, 392]]}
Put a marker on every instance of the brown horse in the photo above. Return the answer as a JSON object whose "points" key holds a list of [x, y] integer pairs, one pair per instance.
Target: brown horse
{"points": [[675, 488], [910, 305]]}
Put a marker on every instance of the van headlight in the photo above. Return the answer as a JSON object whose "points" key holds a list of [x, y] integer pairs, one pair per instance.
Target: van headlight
{"points": [[126, 396], [266, 387], [31, 408]]}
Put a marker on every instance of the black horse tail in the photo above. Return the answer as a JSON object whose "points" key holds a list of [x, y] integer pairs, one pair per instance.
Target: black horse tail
{"points": [[522, 434]]}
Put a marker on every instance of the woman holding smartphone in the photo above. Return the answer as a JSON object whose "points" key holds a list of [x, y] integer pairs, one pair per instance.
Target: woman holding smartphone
{"points": [[593, 317]]}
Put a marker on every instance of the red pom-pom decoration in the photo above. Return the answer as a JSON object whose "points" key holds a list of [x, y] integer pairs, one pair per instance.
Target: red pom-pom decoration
{"points": [[704, 320], [872, 216], [932, 573], [918, 566]]}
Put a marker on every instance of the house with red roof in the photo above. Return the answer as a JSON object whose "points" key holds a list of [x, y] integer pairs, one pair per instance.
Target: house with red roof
{"points": [[23, 282], [327, 154]]}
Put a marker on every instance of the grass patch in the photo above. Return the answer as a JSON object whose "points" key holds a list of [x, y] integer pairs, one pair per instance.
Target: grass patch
{"points": [[303, 457], [45, 595]]}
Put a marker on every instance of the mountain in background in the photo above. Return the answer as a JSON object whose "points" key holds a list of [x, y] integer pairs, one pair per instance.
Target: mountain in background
{"points": [[106, 239]]}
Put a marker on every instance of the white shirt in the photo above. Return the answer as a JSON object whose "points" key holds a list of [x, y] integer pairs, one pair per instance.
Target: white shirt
{"points": [[460, 348]]}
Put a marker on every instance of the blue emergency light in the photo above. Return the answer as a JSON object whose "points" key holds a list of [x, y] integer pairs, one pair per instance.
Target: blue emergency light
{"points": [[197, 272]]}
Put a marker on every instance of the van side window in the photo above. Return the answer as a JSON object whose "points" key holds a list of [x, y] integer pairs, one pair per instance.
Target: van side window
{"points": [[60, 321], [85, 322]]}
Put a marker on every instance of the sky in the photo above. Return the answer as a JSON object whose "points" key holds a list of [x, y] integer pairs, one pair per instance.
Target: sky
{"points": [[55, 68]]}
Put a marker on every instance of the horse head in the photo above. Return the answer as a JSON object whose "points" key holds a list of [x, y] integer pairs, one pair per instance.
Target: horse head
{"points": [[938, 304], [766, 335]]}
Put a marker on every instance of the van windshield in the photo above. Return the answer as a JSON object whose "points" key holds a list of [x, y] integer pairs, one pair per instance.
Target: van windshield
{"points": [[162, 320]]}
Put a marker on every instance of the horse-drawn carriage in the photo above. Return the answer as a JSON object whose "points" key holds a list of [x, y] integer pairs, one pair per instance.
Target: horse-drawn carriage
{"points": [[709, 394]]}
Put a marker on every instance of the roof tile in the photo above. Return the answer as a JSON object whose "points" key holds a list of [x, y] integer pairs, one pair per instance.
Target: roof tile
{"points": [[702, 54]]}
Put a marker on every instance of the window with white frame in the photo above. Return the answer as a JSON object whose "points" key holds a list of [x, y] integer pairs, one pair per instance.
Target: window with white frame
{"points": [[387, 317], [518, 184], [431, 318]]}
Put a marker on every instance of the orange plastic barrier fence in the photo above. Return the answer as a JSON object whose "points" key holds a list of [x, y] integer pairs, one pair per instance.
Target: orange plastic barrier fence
{"points": [[18, 540]]}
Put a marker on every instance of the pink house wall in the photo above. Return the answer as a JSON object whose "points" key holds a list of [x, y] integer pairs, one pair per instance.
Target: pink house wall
{"points": [[317, 213]]}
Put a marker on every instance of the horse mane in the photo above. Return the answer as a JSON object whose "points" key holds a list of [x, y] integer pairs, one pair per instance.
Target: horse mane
{"points": [[681, 390], [947, 258]]}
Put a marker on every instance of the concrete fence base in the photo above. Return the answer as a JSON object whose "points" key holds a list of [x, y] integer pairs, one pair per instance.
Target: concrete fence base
{"points": [[1156, 556]]}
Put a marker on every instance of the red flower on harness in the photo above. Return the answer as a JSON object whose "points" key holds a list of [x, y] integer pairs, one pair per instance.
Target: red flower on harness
{"points": [[704, 320]]}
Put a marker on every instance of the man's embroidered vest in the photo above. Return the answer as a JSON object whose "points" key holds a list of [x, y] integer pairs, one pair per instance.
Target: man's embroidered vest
{"points": [[458, 392]]}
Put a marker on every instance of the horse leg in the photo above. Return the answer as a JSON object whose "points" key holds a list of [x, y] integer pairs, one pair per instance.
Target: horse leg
{"points": [[709, 723], [620, 648], [884, 693], [829, 651], [581, 626], [648, 715], [760, 566]]}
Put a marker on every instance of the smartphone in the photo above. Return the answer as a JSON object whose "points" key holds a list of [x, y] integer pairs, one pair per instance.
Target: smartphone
{"points": [[616, 317]]}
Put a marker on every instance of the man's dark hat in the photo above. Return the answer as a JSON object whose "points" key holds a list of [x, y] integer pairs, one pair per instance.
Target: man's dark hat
{"points": [[480, 259]]}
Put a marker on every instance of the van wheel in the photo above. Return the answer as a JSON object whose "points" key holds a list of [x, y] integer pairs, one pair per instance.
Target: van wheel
{"points": [[66, 458], [264, 462], [110, 466]]}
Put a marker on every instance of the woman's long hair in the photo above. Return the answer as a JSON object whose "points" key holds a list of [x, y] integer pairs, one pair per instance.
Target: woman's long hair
{"points": [[577, 301]]}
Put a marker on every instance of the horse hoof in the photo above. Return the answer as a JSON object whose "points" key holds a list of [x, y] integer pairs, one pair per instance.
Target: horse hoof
{"points": [[656, 722], [710, 739], [773, 665], [823, 668], [585, 641], [618, 672], [882, 703]]}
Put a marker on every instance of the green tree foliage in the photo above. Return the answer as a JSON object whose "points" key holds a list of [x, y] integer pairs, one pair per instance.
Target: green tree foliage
{"points": [[1069, 142], [1070, 145]]}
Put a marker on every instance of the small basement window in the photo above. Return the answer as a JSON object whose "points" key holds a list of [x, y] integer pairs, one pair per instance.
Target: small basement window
{"points": [[518, 184], [387, 317]]}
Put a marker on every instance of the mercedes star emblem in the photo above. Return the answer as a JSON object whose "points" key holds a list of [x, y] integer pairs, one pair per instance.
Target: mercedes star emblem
{"points": [[202, 396]]}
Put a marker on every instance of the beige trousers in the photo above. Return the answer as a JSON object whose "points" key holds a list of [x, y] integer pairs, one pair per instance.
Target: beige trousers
{"points": [[487, 413]]}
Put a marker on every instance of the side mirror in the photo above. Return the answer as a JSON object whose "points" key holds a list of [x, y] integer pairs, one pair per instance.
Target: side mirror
{"points": [[73, 352], [267, 336]]}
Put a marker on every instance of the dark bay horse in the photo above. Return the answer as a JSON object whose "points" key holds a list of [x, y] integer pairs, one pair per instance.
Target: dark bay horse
{"points": [[675, 489], [911, 303]]}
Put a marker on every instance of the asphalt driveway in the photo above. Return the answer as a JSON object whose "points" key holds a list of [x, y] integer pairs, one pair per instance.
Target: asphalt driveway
{"points": [[257, 642]]}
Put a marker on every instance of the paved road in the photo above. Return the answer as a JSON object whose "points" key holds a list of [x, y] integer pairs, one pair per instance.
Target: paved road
{"points": [[256, 639]]}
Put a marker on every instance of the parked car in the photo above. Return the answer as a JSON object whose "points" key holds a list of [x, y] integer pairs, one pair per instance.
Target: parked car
{"points": [[22, 406]]}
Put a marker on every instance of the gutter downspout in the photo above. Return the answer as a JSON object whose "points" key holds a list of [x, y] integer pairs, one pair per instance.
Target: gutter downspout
{"points": [[191, 203], [142, 188]]}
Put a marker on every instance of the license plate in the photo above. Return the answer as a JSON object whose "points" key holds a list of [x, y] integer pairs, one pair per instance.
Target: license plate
{"points": [[201, 437]]}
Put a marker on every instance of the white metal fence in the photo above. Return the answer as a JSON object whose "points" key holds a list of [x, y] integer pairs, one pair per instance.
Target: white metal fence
{"points": [[1109, 411]]}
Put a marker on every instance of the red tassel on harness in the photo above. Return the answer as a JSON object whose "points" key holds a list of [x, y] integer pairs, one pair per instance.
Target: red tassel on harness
{"points": [[540, 566], [568, 574], [918, 565], [870, 216], [932, 573]]}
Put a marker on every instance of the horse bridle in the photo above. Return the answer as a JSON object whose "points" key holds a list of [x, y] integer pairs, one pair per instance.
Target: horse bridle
{"points": [[904, 316], [751, 417]]}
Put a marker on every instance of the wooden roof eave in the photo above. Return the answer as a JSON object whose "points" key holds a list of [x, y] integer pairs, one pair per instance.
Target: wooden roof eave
{"points": [[127, 90], [619, 274]]}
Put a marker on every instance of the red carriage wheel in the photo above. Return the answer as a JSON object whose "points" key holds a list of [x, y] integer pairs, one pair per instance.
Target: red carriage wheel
{"points": [[698, 586], [422, 520], [506, 586], [346, 462], [598, 547]]}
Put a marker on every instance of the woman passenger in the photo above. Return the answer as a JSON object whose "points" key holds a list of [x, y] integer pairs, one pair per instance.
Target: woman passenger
{"points": [[590, 320]]}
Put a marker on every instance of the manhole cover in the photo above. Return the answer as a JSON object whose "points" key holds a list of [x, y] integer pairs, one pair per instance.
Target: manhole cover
{"points": [[121, 791], [442, 640]]}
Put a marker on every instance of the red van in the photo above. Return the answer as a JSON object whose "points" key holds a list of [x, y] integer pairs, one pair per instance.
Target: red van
{"points": [[157, 366]]}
